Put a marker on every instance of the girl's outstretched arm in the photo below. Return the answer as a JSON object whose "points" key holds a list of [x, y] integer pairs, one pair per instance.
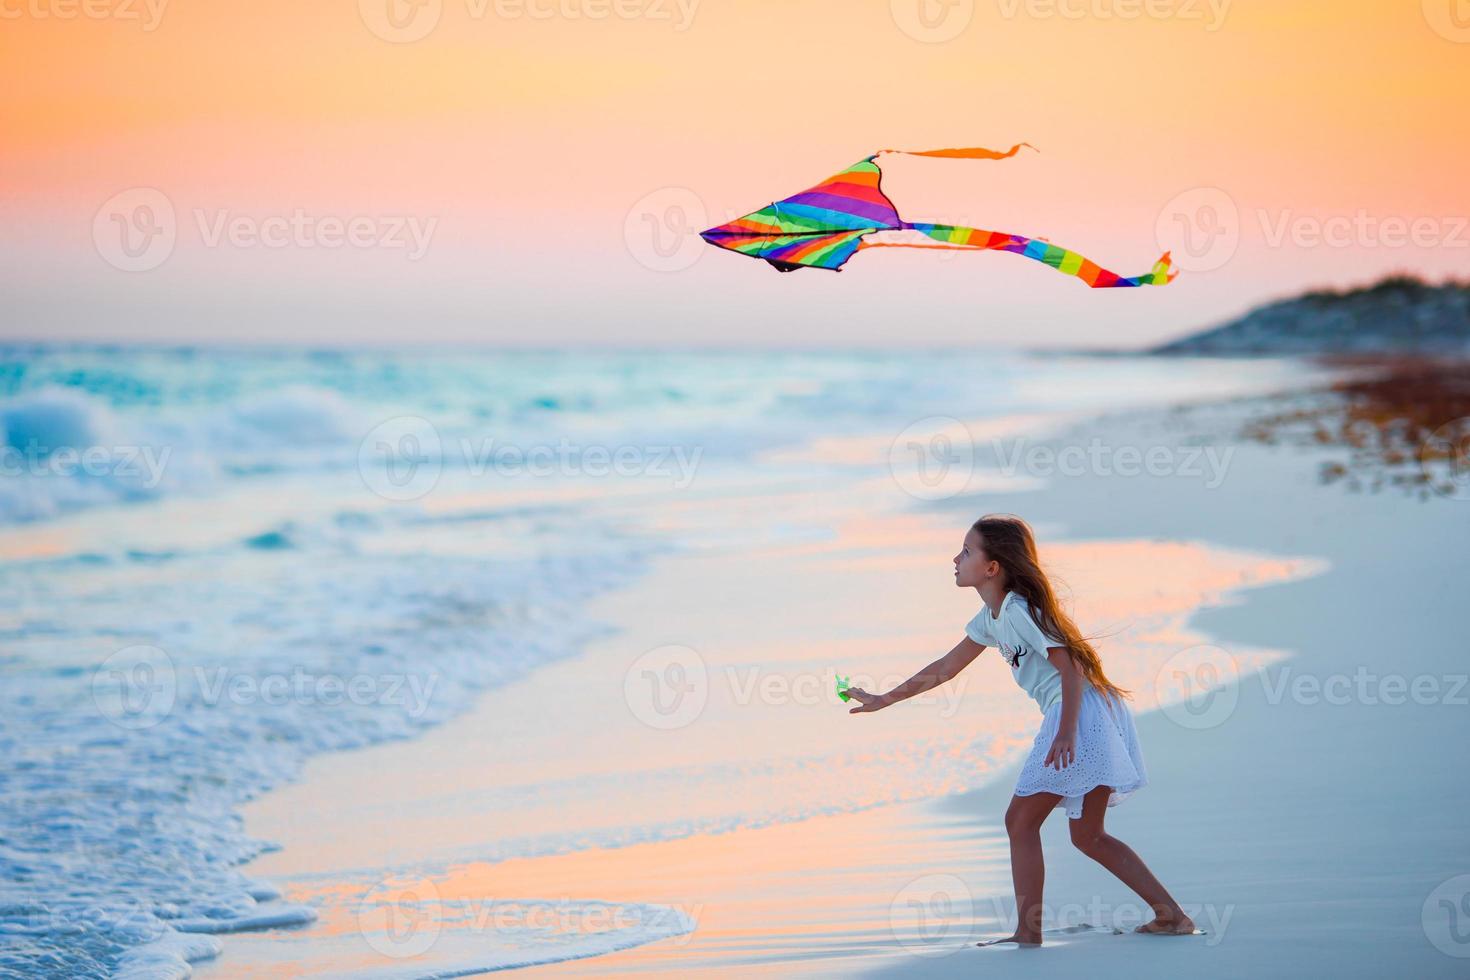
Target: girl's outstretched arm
{"points": [[941, 670]]}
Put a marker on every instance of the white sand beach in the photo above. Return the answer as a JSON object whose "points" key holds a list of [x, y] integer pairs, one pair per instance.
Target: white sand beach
{"points": [[1300, 692]]}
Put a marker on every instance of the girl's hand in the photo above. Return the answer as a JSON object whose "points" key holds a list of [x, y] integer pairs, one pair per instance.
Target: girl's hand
{"points": [[869, 702], [1063, 752]]}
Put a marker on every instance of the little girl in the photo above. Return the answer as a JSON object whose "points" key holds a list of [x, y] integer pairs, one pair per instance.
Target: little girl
{"points": [[1086, 754]]}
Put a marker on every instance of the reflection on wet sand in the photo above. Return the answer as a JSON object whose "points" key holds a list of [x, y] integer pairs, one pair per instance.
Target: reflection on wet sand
{"points": [[746, 818], [820, 890]]}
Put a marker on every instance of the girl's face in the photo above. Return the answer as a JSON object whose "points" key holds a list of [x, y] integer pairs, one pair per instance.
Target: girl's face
{"points": [[972, 567]]}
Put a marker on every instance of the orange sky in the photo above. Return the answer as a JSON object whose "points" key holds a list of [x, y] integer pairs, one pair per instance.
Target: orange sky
{"points": [[538, 144]]}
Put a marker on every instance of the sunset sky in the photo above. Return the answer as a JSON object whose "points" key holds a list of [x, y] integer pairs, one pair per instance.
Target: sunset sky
{"points": [[532, 172]]}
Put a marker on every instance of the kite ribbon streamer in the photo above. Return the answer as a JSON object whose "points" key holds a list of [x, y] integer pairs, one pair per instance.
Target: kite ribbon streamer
{"points": [[965, 153]]}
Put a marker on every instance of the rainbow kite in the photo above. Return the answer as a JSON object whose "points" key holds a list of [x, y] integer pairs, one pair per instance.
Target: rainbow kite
{"points": [[824, 226]]}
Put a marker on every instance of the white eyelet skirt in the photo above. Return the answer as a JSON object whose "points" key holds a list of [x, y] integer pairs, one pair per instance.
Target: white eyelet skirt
{"points": [[1107, 754]]}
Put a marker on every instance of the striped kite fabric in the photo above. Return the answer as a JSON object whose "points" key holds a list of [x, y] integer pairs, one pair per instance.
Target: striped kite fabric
{"points": [[824, 226]]}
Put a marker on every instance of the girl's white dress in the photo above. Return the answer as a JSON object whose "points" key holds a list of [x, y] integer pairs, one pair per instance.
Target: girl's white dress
{"points": [[1107, 750]]}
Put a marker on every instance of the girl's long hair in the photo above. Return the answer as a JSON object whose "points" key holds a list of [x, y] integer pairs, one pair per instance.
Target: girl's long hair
{"points": [[1009, 541]]}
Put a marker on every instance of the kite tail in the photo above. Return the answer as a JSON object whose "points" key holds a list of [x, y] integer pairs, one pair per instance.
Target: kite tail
{"points": [[1162, 274], [964, 153], [1062, 259]]}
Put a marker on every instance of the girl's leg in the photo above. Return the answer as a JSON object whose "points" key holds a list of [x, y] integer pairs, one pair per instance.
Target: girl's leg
{"points": [[1024, 818], [1091, 839]]}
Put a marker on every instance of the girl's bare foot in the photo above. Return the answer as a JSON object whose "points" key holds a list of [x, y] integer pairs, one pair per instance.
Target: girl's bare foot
{"points": [[1171, 925], [1015, 937]]}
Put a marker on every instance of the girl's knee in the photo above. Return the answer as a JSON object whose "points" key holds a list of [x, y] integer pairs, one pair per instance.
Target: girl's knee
{"points": [[1087, 839], [1021, 822]]}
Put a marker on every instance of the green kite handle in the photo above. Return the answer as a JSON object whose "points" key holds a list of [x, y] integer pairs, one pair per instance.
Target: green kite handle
{"points": [[842, 686]]}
